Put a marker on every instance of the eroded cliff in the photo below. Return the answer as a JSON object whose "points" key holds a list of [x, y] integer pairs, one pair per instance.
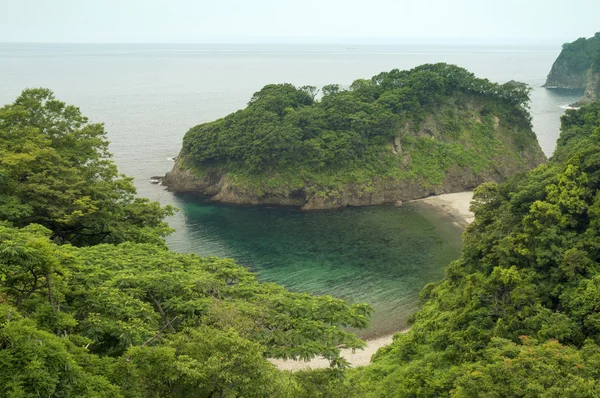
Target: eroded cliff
{"points": [[570, 70]]}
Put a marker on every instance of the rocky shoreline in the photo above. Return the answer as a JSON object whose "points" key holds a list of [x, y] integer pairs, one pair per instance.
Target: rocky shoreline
{"points": [[220, 187]]}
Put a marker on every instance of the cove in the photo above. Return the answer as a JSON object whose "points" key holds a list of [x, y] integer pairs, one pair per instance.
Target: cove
{"points": [[382, 255]]}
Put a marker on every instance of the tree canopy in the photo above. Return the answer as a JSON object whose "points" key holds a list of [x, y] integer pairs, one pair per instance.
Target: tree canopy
{"points": [[55, 170], [580, 54], [517, 314], [572, 67], [144, 310]]}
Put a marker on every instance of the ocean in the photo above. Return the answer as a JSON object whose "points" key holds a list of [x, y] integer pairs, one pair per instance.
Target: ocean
{"points": [[149, 95]]}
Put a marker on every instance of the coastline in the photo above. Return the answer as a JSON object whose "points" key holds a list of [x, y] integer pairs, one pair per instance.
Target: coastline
{"points": [[358, 358], [454, 204]]}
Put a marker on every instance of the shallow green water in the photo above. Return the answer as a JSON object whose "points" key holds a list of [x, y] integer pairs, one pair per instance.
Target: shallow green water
{"points": [[381, 255]]}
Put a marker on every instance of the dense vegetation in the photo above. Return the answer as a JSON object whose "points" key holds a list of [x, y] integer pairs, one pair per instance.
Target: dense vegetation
{"points": [[415, 124], [571, 68], [139, 320], [128, 317], [55, 170], [517, 314], [580, 54]]}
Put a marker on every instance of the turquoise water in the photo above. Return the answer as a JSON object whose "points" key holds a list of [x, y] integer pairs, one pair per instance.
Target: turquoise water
{"points": [[380, 255], [148, 96]]}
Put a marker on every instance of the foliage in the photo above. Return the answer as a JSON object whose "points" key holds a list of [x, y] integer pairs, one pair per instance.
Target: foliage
{"points": [[323, 383], [579, 55], [531, 369], [178, 325], [596, 64], [34, 362], [93, 304], [578, 128], [517, 314], [200, 362], [55, 170], [287, 138]]}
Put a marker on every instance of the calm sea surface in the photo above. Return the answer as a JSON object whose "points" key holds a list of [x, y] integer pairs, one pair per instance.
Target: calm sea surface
{"points": [[148, 96]]}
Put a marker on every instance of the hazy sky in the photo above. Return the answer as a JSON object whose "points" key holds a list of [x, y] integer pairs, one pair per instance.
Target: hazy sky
{"points": [[298, 20]]}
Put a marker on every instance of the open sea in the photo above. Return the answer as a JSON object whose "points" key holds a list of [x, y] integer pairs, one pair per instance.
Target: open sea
{"points": [[149, 95]]}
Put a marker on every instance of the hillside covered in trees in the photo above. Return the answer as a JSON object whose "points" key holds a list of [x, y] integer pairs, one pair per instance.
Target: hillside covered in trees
{"points": [[572, 65], [399, 135], [578, 67], [517, 314]]}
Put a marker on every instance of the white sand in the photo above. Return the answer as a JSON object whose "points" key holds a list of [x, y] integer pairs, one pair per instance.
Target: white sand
{"points": [[358, 358], [457, 205]]}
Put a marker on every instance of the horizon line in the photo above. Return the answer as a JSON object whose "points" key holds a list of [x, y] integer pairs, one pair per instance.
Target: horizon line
{"points": [[390, 40]]}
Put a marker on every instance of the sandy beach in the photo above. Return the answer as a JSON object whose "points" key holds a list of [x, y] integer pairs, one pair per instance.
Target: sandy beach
{"points": [[455, 204], [358, 358]]}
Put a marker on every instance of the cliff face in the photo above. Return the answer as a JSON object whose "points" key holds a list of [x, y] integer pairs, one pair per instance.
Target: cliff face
{"points": [[592, 87], [570, 70], [563, 75], [401, 135]]}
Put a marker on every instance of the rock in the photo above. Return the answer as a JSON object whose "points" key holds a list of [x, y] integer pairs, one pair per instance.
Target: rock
{"points": [[398, 203], [592, 89], [217, 185], [221, 188], [424, 159], [562, 76]]}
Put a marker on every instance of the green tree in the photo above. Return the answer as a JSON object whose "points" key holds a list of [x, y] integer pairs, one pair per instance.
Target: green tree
{"points": [[516, 315], [205, 325], [202, 362], [55, 170], [34, 362], [529, 369]]}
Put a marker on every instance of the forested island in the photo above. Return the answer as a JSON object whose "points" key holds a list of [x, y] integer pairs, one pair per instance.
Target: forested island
{"points": [[578, 67], [400, 135]]}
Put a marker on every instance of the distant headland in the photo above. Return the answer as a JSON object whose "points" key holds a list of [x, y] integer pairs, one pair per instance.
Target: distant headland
{"points": [[578, 67]]}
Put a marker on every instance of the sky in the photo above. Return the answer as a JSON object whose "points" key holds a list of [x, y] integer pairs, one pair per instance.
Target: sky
{"points": [[297, 21]]}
